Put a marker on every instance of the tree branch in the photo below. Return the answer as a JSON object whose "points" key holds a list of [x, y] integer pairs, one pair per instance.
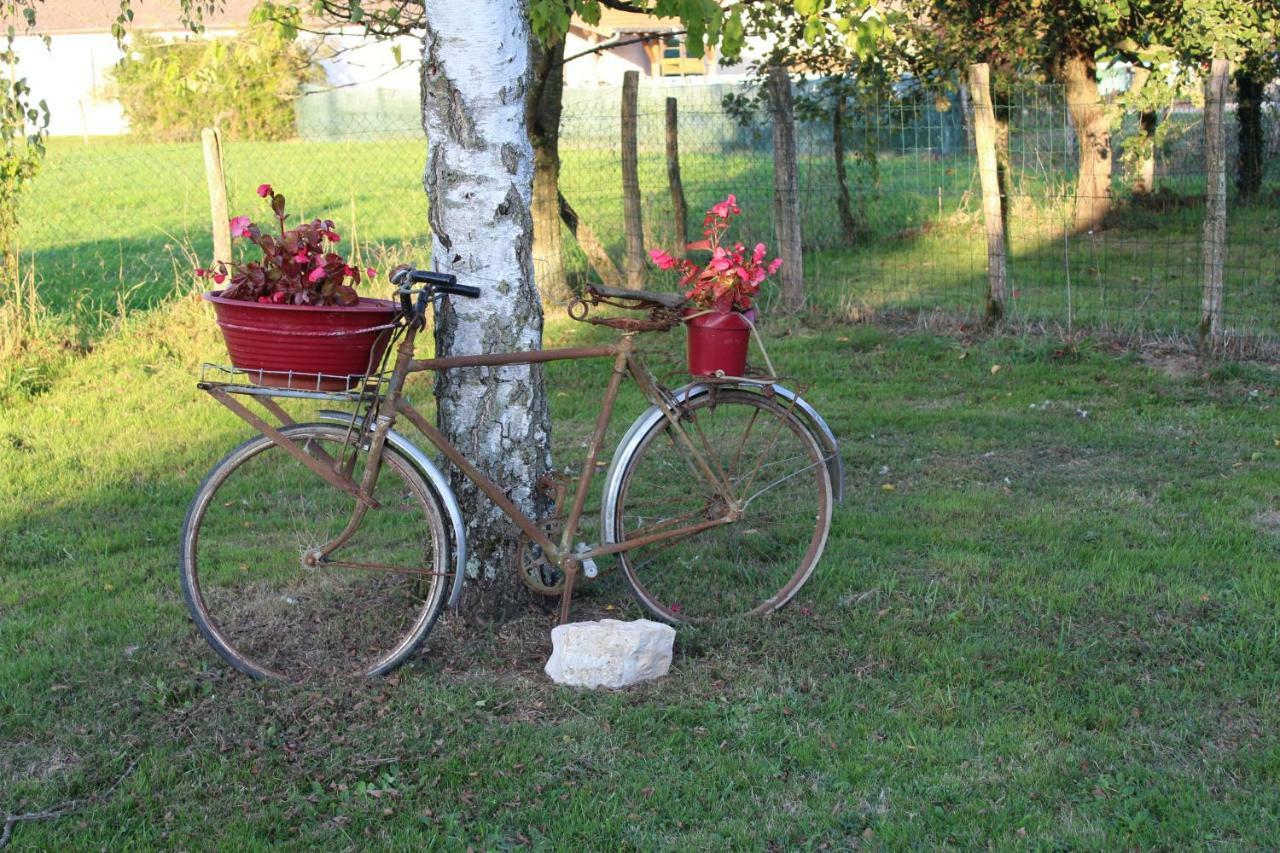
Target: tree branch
{"points": [[12, 820], [603, 46]]}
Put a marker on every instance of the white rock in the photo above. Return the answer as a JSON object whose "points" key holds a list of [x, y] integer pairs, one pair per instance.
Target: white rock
{"points": [[609, 653]]}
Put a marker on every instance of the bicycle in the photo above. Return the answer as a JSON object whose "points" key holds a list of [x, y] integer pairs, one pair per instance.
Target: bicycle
{"points": [[335, 544]]}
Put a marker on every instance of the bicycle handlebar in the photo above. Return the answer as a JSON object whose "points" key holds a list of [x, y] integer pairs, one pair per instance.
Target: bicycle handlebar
{"points": [[440, 282], [404, 277]]}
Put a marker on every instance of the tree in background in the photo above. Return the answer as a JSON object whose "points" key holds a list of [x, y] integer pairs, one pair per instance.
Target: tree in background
{"points": [[245, 84], [837, 70], [22, 132]]}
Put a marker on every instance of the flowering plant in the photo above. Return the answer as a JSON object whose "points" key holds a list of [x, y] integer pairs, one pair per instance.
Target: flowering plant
{"points": [[298, 267], [731, 279]]}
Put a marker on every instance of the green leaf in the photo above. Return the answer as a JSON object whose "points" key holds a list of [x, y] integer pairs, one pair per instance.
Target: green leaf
{"points": [[808, 8], [813, 30], [733, 35]]}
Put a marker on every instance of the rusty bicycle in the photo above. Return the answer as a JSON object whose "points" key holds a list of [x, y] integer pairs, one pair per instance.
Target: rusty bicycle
{"points": [[334, 544]]}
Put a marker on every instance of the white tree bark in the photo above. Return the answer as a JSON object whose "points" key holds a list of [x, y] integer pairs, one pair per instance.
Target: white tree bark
{"points": [[479, 179]]}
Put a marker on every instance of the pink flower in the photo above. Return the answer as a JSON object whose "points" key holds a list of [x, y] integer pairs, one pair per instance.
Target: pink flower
{"points": [[240, 226], [371, 272], [264, 299], [661, 259], [279, 296], [316, 275], [727, 207], [758, 255], [201, 273], [774, 264], [264, 190], [333, 236], [301, 256]]}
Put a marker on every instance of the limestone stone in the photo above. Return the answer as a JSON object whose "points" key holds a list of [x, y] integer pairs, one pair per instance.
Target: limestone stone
{"points": [[610, 652]]}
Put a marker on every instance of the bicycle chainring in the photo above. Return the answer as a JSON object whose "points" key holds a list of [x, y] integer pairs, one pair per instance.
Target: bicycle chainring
{"points": [[532, 566]]}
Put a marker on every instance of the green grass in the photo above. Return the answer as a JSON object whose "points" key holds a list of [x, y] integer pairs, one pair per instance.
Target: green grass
{"points": [[114, 225], [1057, 629]]}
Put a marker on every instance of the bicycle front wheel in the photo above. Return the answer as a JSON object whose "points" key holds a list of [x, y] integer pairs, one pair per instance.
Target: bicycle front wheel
{"points": [[770, 476], [249, 574]]}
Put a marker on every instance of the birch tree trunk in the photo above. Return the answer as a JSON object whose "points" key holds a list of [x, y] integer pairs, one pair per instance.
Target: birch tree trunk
{"points": [[479, 179]]}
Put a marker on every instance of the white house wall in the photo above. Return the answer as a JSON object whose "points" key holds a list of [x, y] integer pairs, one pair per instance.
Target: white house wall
{"points": [[71, 73], [70, 76]]}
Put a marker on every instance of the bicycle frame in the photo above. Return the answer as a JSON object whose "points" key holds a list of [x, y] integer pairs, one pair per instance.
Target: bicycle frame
{"points": [[339, 473]]}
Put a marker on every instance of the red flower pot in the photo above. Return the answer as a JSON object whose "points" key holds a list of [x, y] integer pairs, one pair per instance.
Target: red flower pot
{"points": [[717, 343], [274, 341]]}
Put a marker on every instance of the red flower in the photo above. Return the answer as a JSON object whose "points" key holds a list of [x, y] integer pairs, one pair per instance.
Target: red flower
{"points": [[316, 275], [219, 277], [661, 259], [728, 207], [264, 190]]}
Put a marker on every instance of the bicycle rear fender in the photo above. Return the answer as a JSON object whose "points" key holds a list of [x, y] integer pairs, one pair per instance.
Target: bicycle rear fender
{"points": [[438, 482], [630, 441]]}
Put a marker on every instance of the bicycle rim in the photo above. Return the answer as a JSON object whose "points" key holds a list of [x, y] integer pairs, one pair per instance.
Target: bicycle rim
{"points": [[267, 612], [774, 469]]}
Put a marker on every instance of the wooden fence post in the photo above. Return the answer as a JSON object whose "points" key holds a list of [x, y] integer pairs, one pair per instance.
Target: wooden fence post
{"points": [[1214, 244], [216, 178], [631, 216], [679, 207], [786, 189], [984, 137]]}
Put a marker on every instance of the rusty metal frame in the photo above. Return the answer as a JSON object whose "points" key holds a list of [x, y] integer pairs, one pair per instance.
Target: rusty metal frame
{"points": [[336, 473]]}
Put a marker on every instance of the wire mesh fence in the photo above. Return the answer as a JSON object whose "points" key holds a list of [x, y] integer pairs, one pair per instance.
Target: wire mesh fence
{"points": [[112, 224]]}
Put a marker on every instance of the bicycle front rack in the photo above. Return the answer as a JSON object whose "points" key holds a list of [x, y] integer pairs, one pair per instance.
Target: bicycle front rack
{"points": [[287, 383]]}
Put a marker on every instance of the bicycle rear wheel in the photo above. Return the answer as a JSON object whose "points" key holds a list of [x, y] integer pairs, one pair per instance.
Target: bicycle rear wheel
{"points": [[775, 474], [261, 606]]}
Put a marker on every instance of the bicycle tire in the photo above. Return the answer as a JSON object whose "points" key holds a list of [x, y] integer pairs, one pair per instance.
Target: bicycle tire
{"points": [[751, 566], [268, 614]]}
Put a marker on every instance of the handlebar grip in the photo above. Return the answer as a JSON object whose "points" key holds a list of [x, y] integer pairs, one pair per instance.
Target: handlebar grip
{"points": [[439, 282], [461, 290]]}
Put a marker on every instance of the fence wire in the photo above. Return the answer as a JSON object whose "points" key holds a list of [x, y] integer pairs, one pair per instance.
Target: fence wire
{"points": [[114, 224]]}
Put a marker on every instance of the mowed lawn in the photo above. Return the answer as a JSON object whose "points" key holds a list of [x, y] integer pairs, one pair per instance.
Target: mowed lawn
{"points": [[1047, 617], [114, 225]]}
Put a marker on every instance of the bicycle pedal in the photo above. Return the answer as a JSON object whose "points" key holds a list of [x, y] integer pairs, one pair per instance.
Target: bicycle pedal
{"points": [[589, 567]]}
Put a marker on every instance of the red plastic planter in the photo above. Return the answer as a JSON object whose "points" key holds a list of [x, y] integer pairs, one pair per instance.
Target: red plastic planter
{"points": [[717, 343], [273, 341]]}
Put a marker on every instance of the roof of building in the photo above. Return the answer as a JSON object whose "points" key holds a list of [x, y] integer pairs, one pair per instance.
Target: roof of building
{"points": [[97, 16], [613, 22]]}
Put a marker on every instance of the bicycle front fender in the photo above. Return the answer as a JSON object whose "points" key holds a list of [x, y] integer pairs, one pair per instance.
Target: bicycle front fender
{"points": [[815, 423], [439, 484]]}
